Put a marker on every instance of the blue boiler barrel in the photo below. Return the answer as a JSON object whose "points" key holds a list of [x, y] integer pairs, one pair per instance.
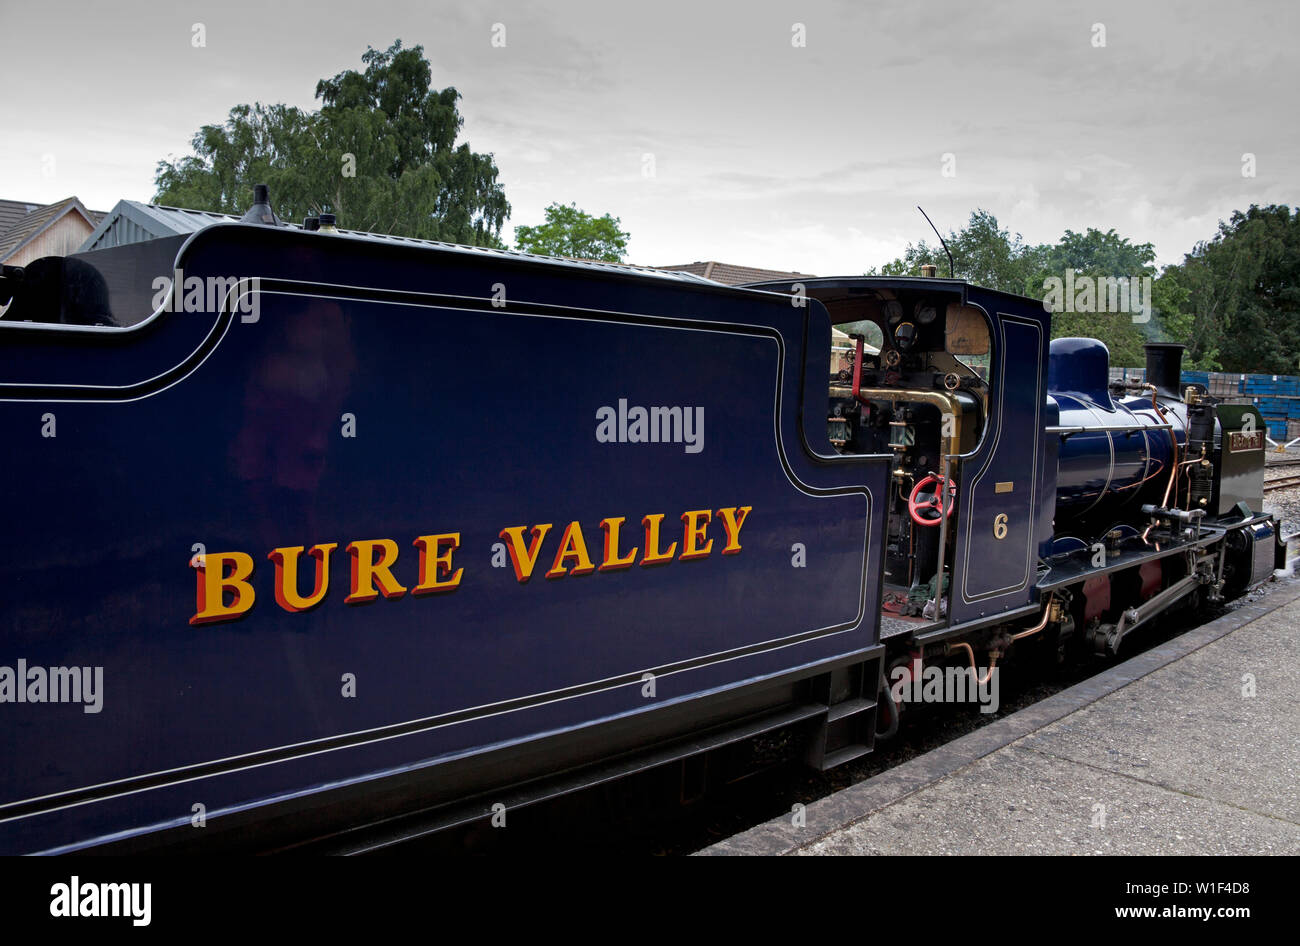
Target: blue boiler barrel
{"points": [[1112, 456]]}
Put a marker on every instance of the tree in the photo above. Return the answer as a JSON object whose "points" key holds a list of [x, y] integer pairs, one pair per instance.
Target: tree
{"points": [[1097, 255], [1243, 292], [569, 231], [380, 153], [1104, 253], [982, 252], [989, 255], [1171, 300]]}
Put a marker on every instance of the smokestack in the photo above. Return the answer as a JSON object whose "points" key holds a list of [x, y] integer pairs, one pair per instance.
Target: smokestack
{"points": [[1165, 368], [261, 211]]}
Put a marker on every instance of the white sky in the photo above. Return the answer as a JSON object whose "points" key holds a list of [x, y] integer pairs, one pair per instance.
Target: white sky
{"points": [[764, 154]]}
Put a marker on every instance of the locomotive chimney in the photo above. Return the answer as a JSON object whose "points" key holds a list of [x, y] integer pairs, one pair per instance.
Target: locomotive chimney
{"points": [[261, 211], [1165, 368]]}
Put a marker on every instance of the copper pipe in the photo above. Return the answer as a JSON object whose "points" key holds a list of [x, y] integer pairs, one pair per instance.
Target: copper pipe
{"points": [[1173, 439], [1120, 489], [1173, 471], [1173, 474], [946, 402], [1164, 503], [1173, 467], [1186, 478], [993, 655], [1047, 612], [993, 660], [904, 496]]}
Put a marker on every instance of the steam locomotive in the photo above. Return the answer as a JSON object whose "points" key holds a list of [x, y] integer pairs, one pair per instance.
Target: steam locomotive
{"points": [[1035, 486], [350, 538]]}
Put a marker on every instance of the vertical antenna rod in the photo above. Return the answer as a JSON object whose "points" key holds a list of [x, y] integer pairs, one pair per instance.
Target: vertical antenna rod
{"points": [[940, 236]]}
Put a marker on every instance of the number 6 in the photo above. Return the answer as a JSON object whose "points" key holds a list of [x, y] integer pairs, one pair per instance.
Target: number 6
{"points": [[1000, 526]]}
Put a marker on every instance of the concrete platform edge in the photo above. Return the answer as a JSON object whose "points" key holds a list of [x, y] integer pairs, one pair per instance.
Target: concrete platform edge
{"points": [[848, 806]]}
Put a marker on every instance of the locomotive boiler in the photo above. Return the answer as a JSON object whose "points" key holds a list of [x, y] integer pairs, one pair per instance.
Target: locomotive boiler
{"points": [[1114, 452]]}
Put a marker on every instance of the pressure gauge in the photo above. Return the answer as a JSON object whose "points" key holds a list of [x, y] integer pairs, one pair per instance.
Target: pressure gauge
{"points": [[904, 336]]}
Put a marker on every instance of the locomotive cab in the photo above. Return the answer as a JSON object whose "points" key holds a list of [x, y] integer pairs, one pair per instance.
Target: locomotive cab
{"points": [[909, 369], [946, 384], [919, 394]]}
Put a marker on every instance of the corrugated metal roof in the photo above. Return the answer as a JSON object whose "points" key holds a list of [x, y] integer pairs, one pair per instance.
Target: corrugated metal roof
{"points": [[179, 220], [730, 274], [134, 222], [521, 255]]}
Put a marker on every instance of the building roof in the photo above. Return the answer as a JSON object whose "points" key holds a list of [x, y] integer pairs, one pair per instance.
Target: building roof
{"points": [[133, 222], [35, 221], [11, 211], [729, 274]]}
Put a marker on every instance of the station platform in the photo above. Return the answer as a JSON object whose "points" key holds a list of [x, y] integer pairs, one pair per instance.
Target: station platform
{"points": [[1166, 753]]}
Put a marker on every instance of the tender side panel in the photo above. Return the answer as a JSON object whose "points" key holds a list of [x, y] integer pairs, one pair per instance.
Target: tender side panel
{"points": [[348, 416]]}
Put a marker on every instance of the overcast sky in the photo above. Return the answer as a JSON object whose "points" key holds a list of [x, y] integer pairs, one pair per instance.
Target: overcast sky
{"points": [[765, 153]]}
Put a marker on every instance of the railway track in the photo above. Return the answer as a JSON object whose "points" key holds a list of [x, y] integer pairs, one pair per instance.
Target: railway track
{"points": [[1282, 482]]}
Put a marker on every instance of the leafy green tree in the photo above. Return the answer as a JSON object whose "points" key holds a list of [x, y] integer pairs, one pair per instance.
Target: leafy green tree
{"points": [[1243, 292], [982, 252], [1095, 254], [569, 231], [1234, 300], [987, 254], [1171, 300], [380, 153], [1107, 254]]}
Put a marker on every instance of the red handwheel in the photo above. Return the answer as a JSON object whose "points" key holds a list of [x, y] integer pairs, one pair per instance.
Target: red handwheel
{"points": [[926, 504]]}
